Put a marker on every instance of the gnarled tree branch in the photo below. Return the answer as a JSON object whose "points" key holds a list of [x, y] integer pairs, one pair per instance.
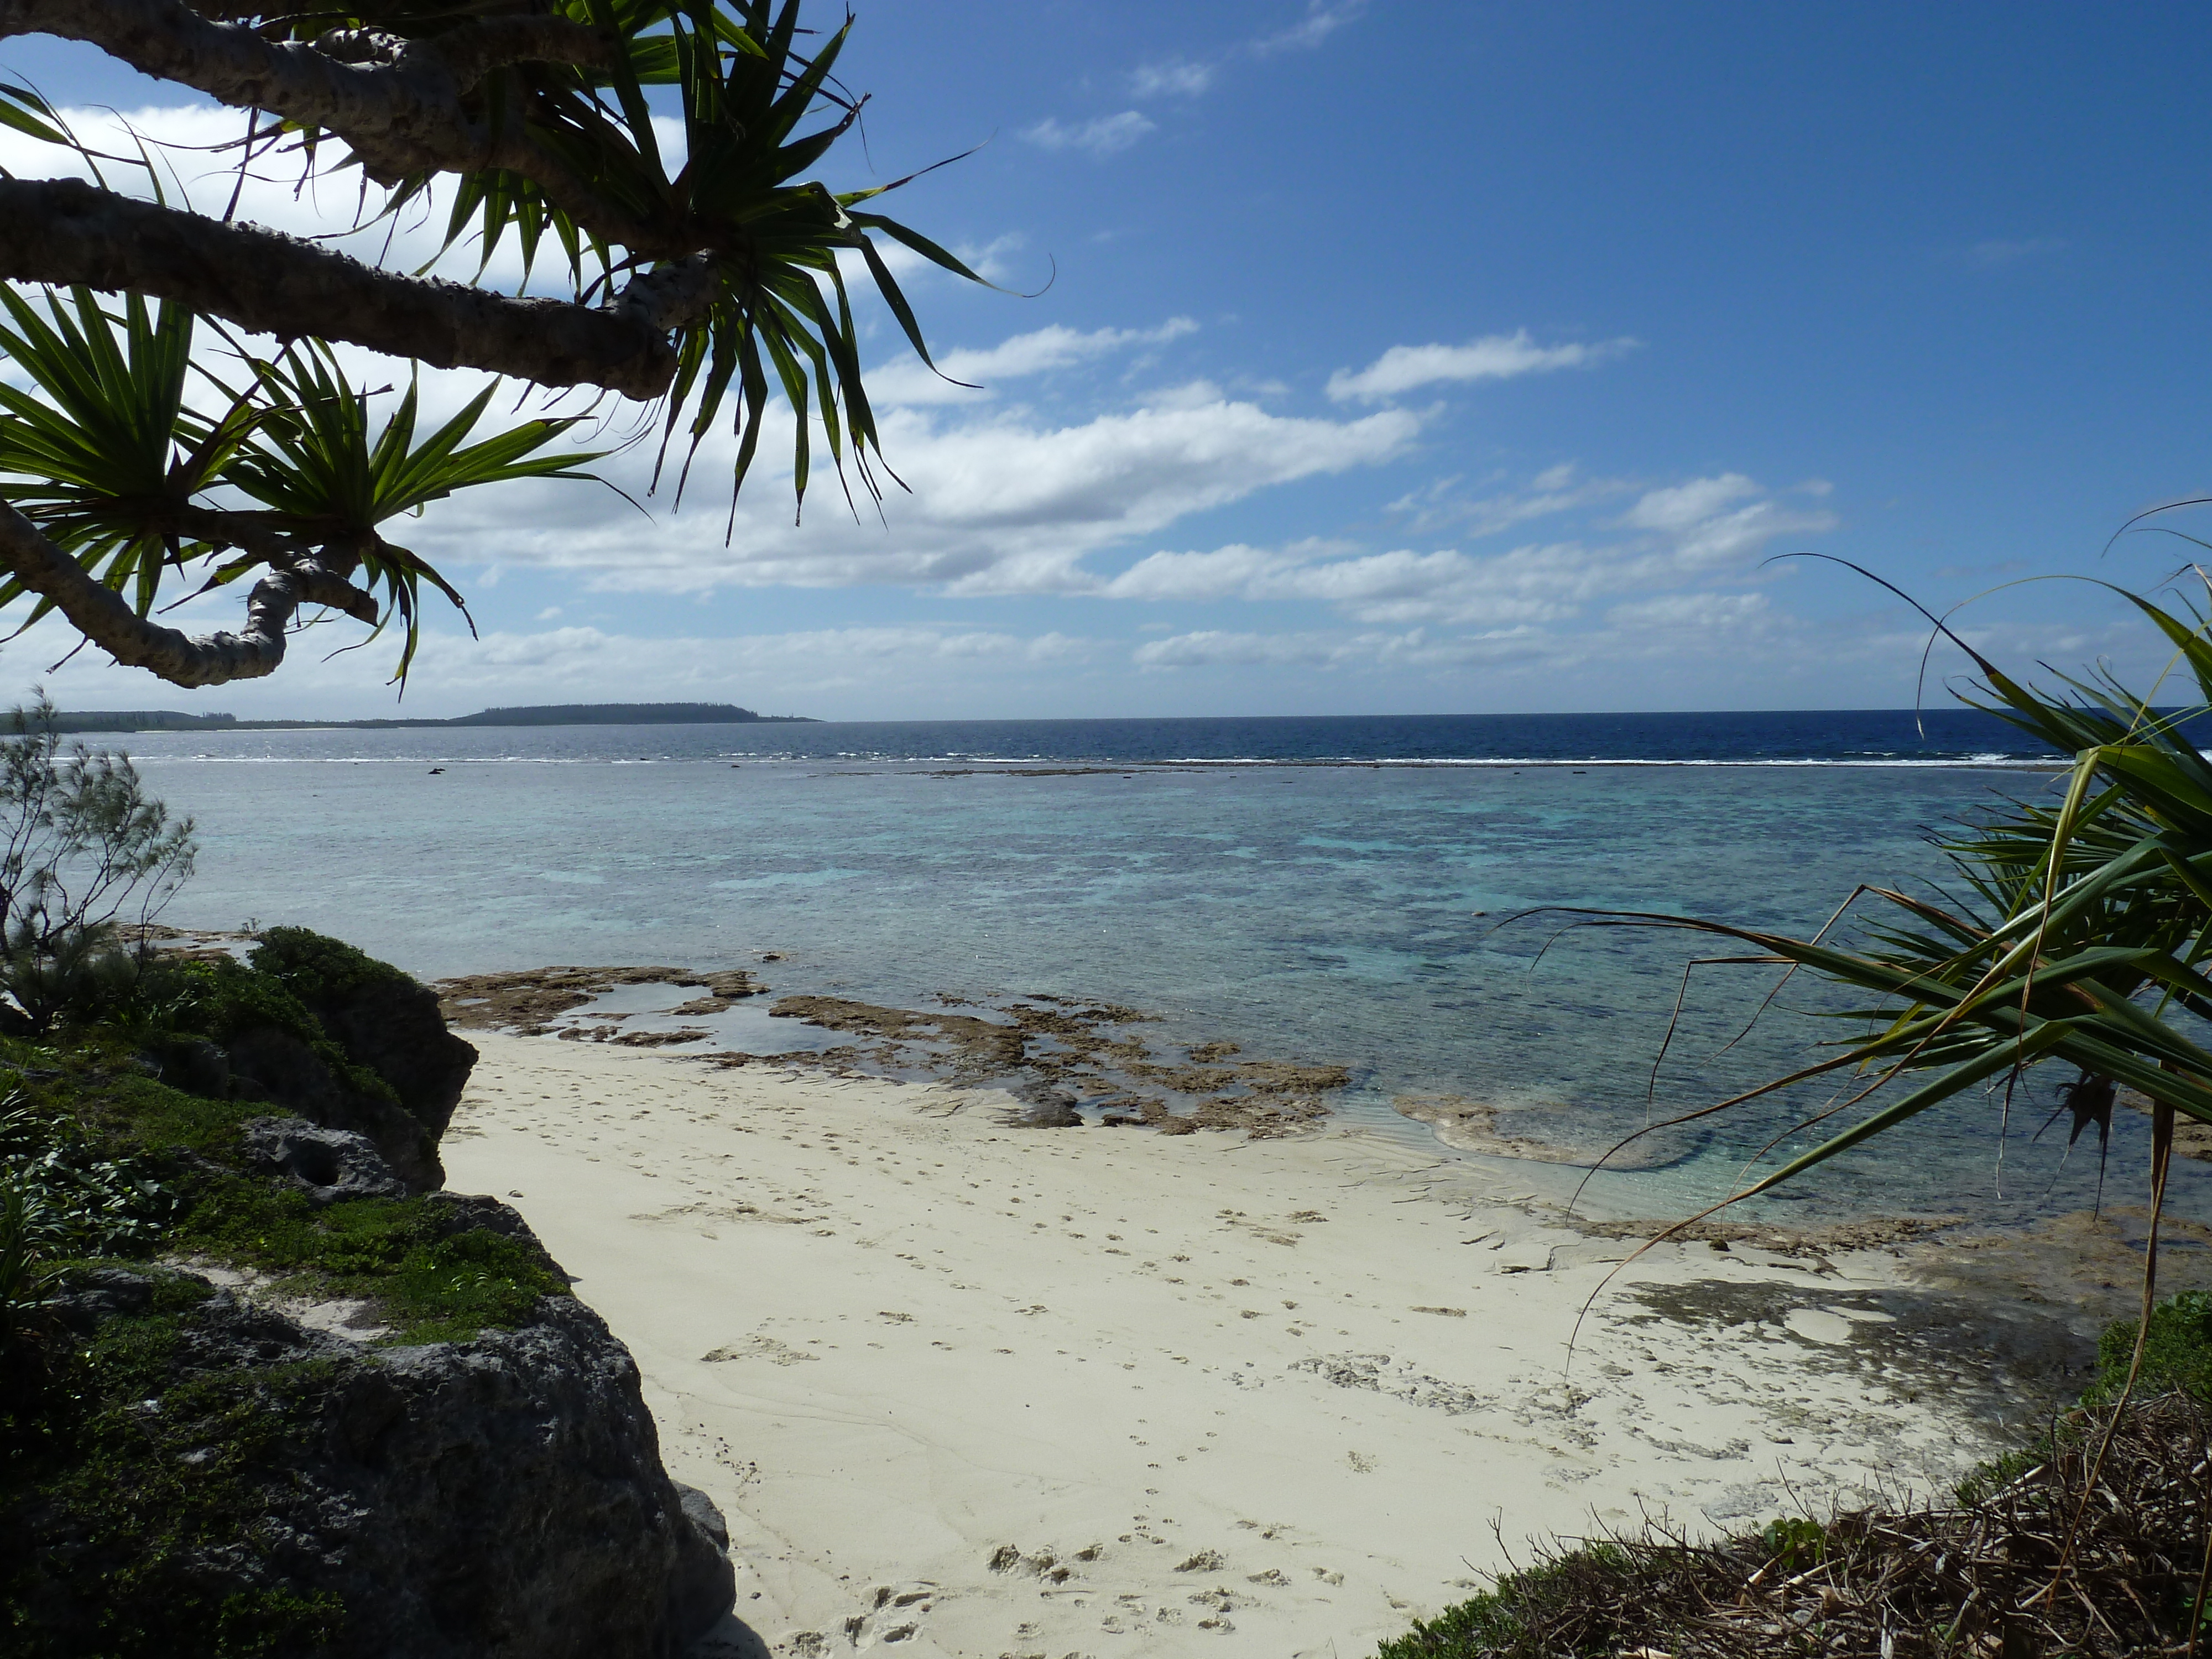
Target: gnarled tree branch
{"points": [[64, 231], [399, 117], [103, 617]]}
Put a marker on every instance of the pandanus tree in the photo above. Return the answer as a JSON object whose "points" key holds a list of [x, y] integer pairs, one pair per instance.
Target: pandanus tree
{"points": [[2076, 936], [178, 417]]}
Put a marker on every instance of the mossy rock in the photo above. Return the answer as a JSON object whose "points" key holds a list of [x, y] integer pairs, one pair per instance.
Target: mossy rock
{"points": [[205, 1476], [318, 1028], [383, 1019]]}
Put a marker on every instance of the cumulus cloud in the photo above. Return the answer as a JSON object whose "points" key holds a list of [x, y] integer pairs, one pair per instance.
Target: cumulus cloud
{"points": [[1494, 357], [1226, 571], [1706, 614], [1003, 504], [1416, 649], [1101, 135], [804, 670], [1665, 629], [1036, 353], [1007, 501], [1211, 647], [1720, 520], [192, 147], [1680, 536]]}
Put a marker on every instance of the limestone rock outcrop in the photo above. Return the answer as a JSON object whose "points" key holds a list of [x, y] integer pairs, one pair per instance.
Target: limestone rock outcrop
{"points": [[501, 1498]]}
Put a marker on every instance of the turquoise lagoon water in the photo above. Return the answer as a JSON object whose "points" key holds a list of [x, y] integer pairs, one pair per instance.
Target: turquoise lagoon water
{"points": [[1315, 890]]}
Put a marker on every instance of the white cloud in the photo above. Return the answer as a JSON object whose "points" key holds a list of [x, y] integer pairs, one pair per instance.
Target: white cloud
{"points": [[1008, 501], [1557, 490], [1494, 357], [802, 670], [1416, 649], [1682, 536], [999, 505], [1708, 528], [1706, 614], [1221, 574], [192, 145], [1101, 135], [1170, 77], [1213, 648], [1191, 394], [909, 382], [199, 170], [1322, 19]]}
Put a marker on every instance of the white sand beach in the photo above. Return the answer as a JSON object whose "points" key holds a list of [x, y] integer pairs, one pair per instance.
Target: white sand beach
{"points": [[977, 1390]]}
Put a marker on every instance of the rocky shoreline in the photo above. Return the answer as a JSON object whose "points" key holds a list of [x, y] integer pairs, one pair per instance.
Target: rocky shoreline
{"points": [[1067, 1062], [325, 1407]]}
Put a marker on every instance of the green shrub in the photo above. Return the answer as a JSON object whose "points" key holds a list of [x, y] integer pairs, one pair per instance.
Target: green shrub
{"points": [[88, 1199], [159, 1169], [221, 1000], [319, 969], [1497, 1620], [429, 1286], [61, 1196], [2178, 1356], [87, 858]]}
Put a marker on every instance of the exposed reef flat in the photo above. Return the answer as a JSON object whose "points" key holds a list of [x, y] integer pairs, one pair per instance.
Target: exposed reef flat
{"points": [[529, 1001], [1066, 1055], [1064, 1062], [971, 1388]]}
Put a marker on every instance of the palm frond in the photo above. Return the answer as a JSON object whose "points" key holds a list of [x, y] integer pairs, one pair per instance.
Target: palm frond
{"points": [[2084, 930]]}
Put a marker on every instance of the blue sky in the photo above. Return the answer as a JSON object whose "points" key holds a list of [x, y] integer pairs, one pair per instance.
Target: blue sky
{"points": [[1410, 357]]}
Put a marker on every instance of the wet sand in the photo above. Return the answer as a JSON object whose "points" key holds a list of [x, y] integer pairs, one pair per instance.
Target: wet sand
{"points": [[969, 1388]]}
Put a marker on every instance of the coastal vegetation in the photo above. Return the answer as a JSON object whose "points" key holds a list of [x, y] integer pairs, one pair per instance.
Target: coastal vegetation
{"points": [[2091, 1541], [166, 436], [151, 1465], [247, 1340], [2074, 932], [87, 861]]}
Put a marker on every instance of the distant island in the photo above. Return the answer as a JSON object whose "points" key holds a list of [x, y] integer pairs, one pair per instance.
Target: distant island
{"points": [[552, 713]]}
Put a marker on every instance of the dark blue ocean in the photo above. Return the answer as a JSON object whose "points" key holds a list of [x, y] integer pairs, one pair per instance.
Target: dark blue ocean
{"points": [[1880, 737], [1322, 890]]}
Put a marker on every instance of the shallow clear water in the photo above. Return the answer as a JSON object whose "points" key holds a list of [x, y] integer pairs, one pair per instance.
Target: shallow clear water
{"points": [[1349, 913]]}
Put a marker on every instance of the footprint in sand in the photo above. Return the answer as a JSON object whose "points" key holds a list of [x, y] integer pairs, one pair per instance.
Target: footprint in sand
{"points": [[896, 1614]]}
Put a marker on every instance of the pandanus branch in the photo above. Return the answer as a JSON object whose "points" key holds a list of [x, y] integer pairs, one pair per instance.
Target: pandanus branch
{"points": [[67, 233], [104, 617]]}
